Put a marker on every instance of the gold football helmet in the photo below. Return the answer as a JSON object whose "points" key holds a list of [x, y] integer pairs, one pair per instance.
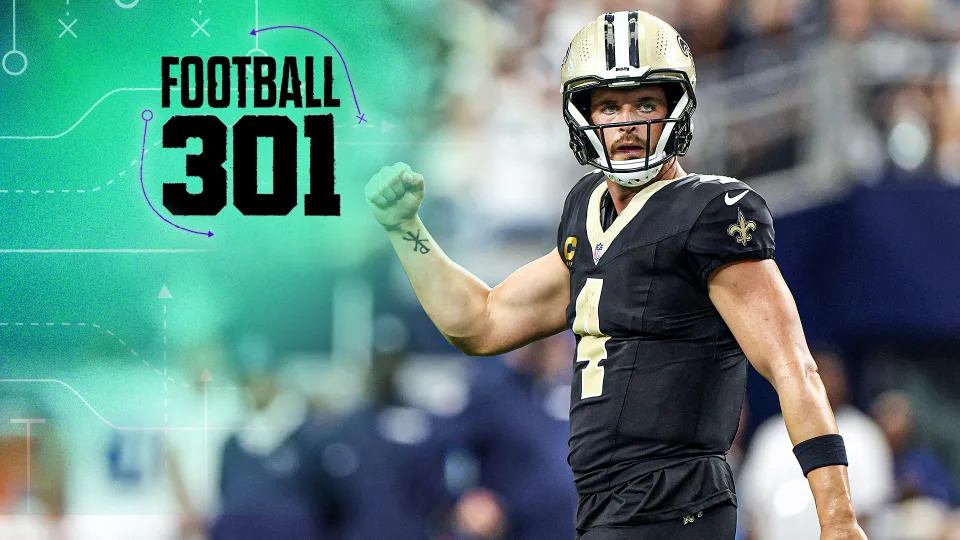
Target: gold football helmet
{"points": [[628, 48]]}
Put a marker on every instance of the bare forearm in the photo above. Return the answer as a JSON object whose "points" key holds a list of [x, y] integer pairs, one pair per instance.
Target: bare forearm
{"points": [[531, 303], [803, 400], [759, 309], [831, 491], [454, 299], [807, 414]]}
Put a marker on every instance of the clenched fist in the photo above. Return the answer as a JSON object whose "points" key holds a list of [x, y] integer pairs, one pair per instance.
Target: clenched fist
{"points": [[394, 195]]}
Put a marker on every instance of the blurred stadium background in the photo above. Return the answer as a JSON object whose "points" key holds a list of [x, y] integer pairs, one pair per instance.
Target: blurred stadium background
{"points": [[332, 408]]}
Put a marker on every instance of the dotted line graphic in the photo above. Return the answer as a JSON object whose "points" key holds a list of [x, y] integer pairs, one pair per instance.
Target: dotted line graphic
{"points": [[79, 191], [63, 324], [115, 337], [84, 116]]}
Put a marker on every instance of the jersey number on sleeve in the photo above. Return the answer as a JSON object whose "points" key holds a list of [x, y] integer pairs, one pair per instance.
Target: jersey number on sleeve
{"points": [[592, 347]]}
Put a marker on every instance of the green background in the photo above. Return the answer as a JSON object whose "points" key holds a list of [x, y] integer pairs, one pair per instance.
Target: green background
{"points": [[270, 275], [274, 273]]}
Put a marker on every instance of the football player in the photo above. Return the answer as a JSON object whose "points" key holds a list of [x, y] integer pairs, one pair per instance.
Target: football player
{"points": [[668, 281]]}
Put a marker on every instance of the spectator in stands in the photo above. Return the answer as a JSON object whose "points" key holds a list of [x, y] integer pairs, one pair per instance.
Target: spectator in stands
{"points": [[907, 112], [708, 26], [947, 125], [905, 16], [918, 472], [923, 484], [773, 490], [850, 20], [772, 18]]}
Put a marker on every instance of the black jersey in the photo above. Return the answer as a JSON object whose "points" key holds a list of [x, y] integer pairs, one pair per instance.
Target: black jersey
{"points": [[659, 379]]}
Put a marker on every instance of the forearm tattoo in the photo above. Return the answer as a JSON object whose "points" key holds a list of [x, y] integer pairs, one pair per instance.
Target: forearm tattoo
{"points": [[418, 244]]}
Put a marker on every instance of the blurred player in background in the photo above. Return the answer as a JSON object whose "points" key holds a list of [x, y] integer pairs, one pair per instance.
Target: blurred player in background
{"points": [[273, 483], [193, 457], [511, 432], [667, 279], [386, 457]]}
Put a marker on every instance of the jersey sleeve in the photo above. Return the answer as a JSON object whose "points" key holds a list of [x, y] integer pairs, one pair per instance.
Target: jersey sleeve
{"points": [[562, 226], [730, 228]]}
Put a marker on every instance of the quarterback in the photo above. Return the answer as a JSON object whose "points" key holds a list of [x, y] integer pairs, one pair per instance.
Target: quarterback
{"points": [[668, 281]]}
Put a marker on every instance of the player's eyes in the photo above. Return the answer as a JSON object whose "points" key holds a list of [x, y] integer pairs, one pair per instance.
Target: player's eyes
{"points": [[645, 107]]}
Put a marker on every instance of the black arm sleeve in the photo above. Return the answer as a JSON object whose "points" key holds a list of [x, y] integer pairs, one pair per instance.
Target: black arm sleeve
{"points": [[726, 233]]}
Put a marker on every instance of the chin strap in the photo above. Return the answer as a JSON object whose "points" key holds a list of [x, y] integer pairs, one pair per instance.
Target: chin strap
{"points": [[634, 179]]}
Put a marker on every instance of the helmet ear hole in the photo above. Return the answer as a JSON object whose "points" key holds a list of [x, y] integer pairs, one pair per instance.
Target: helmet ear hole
{"points": [[581, 100], [578, 139], [674, 93]]}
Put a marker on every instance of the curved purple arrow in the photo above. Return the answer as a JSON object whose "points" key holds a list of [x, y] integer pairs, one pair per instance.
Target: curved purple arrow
{"points": [[143, 151], [361, 117]]}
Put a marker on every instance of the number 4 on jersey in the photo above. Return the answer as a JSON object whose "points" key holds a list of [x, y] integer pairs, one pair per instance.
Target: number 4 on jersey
{"points": [[592, 347]]}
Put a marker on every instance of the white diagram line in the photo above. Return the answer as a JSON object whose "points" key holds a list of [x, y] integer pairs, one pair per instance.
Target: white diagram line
{"points": [[94, 325], [77, 123], [14, 24], [28, 422], [165, 376], [105, 250], [99, 101], [92, 107], [166, 395], [206, 432], [124, 344], [111, 424]]}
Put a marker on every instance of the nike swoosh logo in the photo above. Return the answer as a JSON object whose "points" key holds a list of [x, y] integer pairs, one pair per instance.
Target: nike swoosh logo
{"points": [[733, 200]]}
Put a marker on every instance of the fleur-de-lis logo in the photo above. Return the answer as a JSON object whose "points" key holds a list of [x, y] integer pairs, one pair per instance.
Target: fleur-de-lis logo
{"points": [[742, 228]]}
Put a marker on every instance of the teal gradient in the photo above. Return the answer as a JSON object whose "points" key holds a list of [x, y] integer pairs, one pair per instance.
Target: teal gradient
{"points": [[104, 348], [273, 272]]}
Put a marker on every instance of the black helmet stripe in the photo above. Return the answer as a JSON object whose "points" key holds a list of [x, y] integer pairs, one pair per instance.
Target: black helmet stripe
{"points": [[609, 39], [634, 43]]}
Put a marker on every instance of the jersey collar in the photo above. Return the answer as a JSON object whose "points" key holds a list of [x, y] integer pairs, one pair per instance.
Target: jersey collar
{"points": [[600, 239]]}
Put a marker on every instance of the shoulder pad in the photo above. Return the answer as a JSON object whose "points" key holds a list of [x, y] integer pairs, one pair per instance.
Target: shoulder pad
{"points": [[590, 177], [586, 182], [718, 183], [717, 179]]}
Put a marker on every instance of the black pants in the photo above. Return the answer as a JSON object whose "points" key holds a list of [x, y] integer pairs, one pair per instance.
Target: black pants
{"points": [[717, 523]]}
